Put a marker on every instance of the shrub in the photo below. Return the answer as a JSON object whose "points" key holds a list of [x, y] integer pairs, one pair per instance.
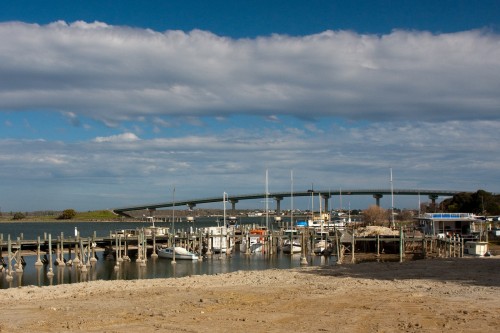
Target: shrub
{"points": [[18, 216], [67, 214]]}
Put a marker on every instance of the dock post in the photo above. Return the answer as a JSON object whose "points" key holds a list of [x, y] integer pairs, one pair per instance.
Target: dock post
{"points": [[59, 250], [83, 266], [117, 253], [89, 253], [119, 257], [210, 238], [77, 254], [200, 246], [378, 245], [19, 265], [125, 248], [93, 259], [139, 251], [1, 254], [337, 245], [247, 241], [38, 261], [401, 243], [449, 247], [143, 248], [303, 258], [353, 243], [9, 277], [61, 259], [50, 273], [154, 255]]}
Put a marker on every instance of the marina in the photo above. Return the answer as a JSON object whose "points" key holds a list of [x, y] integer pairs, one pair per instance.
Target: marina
{"points": [[141, 250]]}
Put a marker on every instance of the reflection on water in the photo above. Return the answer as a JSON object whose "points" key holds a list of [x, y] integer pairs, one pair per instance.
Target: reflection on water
{"points": [[155, 268]]}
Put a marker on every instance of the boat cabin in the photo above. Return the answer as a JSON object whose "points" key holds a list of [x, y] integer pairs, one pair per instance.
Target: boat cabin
{"points": [[449, 224]]}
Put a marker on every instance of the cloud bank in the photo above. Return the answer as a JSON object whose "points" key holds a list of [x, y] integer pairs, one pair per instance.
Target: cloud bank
{"points": [[209, 114], [113, 74]]}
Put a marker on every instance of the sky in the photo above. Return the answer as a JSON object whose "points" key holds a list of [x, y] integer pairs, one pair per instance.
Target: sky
{"points": [[107, 104]]}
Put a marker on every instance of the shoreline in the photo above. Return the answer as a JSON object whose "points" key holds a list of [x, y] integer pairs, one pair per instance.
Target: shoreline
{"points": [[432, 295]]}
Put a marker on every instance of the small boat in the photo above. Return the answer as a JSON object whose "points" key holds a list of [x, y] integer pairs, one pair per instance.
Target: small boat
{"points": [[291, 247], [220, 240], [256, 240], [322, 247], [180, 253]]}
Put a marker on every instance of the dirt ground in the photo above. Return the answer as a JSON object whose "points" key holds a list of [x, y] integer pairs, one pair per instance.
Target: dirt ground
{"points": [[434, 295]]}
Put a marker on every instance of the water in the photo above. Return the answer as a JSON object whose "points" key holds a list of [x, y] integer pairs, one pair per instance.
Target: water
{"points": [[155, 268]]}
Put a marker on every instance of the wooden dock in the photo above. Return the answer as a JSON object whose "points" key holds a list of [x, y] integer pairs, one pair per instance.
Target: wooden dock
{"points": [[138, 245]]}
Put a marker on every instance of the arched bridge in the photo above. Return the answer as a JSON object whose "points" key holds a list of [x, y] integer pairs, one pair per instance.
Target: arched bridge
{"points": [[278, 196]]}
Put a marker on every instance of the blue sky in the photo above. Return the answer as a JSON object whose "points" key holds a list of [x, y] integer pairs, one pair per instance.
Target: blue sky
{"points": [[112, 103]]}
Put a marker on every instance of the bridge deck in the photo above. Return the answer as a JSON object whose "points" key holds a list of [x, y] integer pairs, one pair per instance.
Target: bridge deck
{"points": [[280, 195]]}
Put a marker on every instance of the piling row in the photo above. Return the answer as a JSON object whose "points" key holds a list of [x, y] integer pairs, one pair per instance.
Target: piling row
{"points": [[81, 251]]}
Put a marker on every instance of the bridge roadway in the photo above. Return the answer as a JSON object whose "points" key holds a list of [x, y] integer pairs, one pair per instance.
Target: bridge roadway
{"points": [[278, 196]]}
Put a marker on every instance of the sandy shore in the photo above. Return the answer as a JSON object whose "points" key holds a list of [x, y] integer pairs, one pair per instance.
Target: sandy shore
{"points": [[439, 295]]}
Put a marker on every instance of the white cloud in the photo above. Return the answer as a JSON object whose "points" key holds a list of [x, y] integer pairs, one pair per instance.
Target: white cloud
{"points": [[118, 73], [450, 155], [338, 108], [125, 137]]}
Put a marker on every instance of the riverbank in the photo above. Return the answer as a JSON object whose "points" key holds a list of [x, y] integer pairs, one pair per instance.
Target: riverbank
{"points": [[437, 295]]}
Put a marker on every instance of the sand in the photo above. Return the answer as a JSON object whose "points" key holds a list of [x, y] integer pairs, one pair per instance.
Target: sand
{"points": [[435, 295]]}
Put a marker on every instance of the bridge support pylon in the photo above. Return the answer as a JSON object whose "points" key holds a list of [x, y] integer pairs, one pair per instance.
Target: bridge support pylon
{"points": [[377, 197], [278, 204], [326, 198], [233, 204]]}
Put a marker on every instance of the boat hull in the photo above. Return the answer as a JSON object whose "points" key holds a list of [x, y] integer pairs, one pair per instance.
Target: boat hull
{"points": [[180, 254]]}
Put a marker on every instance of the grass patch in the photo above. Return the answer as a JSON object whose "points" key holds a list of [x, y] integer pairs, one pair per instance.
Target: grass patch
{"points": [[96, 215]]}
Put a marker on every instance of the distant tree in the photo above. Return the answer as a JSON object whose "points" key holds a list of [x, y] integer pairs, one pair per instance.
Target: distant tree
{"points": [[18, 216], [67, 214], [375, 215], [405, 215], [480, 202]]}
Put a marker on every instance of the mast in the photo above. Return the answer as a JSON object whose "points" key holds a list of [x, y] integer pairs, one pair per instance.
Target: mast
{"points": [[291, 200], [392, 202], [267, 203], [173, 227], [340, 195], [224, 199]]}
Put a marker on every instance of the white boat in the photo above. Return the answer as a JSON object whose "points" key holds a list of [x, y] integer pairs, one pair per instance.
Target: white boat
{"points": [[322, 247], [254, 242], [220, 239], [180, 253], [152, 230], [291, 247]]}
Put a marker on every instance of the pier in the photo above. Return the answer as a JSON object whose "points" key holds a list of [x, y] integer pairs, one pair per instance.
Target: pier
{"points": [[141, 244]]}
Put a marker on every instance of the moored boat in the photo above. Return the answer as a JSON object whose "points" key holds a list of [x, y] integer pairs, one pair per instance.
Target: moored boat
{"points": [[254, 242], [180, 253], [291, 247]]}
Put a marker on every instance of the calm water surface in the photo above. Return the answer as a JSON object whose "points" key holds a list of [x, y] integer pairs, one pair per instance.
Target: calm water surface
{"points": [[155, 268]]}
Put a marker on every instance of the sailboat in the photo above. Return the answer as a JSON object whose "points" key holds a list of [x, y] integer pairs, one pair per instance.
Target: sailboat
{"points": [[176, 252], [254, 242], [291, 245]]}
